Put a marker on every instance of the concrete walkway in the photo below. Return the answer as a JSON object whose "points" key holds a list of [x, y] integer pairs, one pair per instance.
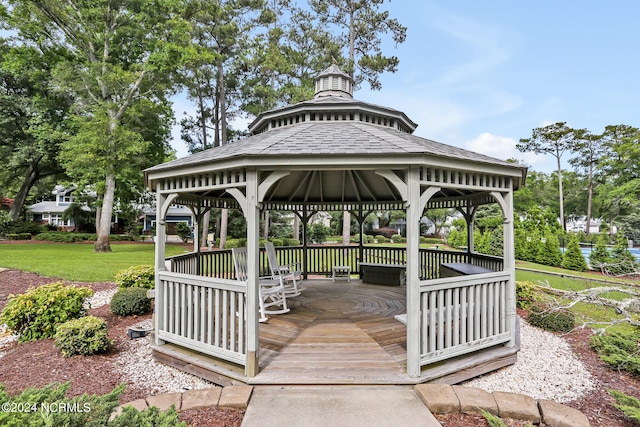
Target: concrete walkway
{"points": [[354, 406], [311, 406]]}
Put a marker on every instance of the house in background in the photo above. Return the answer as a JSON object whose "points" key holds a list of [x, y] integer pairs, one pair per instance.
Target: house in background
{"points": [[175, 215], [50, 212]]}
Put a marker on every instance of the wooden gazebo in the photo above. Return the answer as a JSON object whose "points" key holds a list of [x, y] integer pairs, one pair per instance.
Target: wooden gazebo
{"points": [[335, 153]]}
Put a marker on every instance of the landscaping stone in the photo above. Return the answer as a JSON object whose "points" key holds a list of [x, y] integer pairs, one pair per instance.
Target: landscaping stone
{"points": [[474, 399], [164, 401], [235, 396], [439, 398], [202, 398], [558, 415], [517, 406], [139, 404]]}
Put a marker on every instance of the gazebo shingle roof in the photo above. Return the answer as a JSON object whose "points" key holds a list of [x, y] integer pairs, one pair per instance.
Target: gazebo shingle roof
{"points": [[330, 138]]}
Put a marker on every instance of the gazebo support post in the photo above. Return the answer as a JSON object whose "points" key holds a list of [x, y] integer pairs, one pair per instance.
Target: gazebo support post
{"points": [[161, 226], [414, 211], [252, 215]]}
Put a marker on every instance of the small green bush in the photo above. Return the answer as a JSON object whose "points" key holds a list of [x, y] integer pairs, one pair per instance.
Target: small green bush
{"points": [[130, 301], [36, 313], [290, 242], [19, 236], [67, 237], [381, 239], [423, 239], [84, 336], [79, 411], [552, 320], [277, 242], [137, 276], [431, 240], [235, 243], [183, 231], [151, 416], [629, 405], [526, 294], [619, 350]]}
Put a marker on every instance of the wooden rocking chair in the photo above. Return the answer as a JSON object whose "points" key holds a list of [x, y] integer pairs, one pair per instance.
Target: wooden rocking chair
{"points": [[289, 275], [272, 293]]}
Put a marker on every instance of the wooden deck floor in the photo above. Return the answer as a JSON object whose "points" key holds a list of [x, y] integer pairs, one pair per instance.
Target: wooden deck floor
{"points": [[336, 332]]}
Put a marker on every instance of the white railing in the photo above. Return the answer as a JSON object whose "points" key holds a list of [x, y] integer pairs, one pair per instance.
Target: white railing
{"points": [[203, 314], [463, 314]]}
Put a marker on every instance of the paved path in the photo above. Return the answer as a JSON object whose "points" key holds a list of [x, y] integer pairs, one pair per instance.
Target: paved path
{"points": [[311, 406]]}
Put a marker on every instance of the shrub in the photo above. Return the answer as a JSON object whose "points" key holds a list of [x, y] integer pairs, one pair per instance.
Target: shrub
{"points": [[573, 258], [290, 242], [19, 236], [525, 294], [183, 231], [66, 237], [235, 243], [318, 232], [396, 237], [423, 239], [137, 276], [90, 410], [386, 231], [544, 317], [84, 336], [629, 405], [619, 350], [36, 313], [380, 238], [130, 301], [151, 416], [277, 242]]}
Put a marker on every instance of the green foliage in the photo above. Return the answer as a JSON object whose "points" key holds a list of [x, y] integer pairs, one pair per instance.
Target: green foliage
{"points": [[5, 223], [619, 350], [19, 236], [137, 276], [184, 231], [36, 313], [544, 317], [573, 258], [549, 250], [235, 243], [318, 233], [84, 336], [381, 239], [277, 242], [149, 417], [80, 411], [290, 242], [493, 420], [526, 294], [600, 256], [130, 301], [622, 261], [629, 405], [65, 237]]}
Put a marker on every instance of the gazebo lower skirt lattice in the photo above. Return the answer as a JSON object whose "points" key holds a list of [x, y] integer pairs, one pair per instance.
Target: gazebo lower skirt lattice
{"points": [[336, 333]]}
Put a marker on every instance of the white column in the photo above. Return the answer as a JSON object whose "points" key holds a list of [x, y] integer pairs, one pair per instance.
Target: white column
{"points": [[510, 266], [160, 241], [252, 215], [414, 211]]}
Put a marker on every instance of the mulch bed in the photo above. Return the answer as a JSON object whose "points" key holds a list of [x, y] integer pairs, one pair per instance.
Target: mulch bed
{"points": [[36, 364]]}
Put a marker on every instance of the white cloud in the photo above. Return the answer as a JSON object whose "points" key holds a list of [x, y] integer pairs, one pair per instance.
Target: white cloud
{"points": [[502, 147]]}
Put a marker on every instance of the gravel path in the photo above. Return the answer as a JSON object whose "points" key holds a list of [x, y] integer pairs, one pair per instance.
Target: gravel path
{"points": [[546, 369]]}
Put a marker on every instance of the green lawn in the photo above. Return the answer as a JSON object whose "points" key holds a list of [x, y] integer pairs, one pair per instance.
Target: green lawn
{"points": [[78, 262]]}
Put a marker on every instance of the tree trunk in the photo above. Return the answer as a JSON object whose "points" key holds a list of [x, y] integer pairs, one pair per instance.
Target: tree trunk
{"points": [[30, 178], [296, 227], [224, 217], [346, 227], [265, 229], [205, 228], [104, 228], [589, 198], [561, 195]]}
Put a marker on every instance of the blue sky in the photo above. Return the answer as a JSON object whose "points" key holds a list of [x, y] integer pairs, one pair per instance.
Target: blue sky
{"points": [[482, 74]]}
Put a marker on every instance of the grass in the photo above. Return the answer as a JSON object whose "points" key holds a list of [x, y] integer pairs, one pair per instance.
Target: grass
{"points": [[78, 262]]}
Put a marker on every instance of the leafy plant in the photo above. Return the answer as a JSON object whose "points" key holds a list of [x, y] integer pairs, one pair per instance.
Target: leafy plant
{"points": [[36, 313], [130, 301], [619, 350], [573, 258], [629, 405], [493, 420], [84, 336], [149, 417], [550, 319], [183, 231], [525, 294], [137, 276], [80, 411]]}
